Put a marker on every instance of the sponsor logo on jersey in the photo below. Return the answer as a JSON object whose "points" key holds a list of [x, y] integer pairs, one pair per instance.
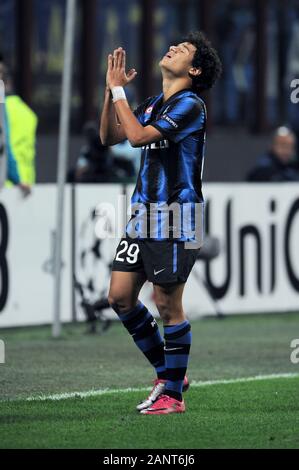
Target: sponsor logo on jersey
{"points": [[171, 121], [149, 110], [162, 144]]}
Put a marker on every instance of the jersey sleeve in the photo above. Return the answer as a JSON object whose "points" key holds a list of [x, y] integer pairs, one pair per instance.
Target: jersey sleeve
{"points": [[182, 118]]}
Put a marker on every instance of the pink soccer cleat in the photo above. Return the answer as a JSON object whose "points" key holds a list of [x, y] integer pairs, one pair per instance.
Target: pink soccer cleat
{"points": [[164, 406], [157, 390]]}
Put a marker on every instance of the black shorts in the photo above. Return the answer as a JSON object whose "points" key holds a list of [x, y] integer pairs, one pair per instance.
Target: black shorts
{"points": [[162, 262]]}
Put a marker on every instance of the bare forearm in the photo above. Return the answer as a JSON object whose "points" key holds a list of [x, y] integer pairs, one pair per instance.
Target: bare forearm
{"points": [[131, 126], [111, 131], [134, 131], [116, 79]]}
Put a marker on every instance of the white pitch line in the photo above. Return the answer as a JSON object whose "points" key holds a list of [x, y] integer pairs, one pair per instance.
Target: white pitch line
{"points": [[95, 393]]}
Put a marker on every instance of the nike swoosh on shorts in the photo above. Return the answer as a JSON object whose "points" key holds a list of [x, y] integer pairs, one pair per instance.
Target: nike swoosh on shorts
{"points": [[157, 272]]}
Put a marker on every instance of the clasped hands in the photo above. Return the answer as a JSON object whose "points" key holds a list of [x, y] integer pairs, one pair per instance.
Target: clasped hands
{"points": [[116, 71]]}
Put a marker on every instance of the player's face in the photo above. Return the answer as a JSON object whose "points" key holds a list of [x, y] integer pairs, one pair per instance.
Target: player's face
{"points": [[178, 59]]}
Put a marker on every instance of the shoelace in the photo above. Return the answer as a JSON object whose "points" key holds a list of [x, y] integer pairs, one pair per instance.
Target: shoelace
{"points": [[165, 398]]}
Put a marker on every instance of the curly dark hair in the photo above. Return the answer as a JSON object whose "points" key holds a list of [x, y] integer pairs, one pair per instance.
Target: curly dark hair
{"points": [[205, 57]]}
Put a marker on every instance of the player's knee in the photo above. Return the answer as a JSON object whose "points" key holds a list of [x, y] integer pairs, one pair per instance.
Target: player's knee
{"points": [[116, 303], [168, 309], [119, 303]]}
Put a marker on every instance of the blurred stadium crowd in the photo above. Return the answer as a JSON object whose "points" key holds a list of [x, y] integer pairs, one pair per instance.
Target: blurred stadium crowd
{"points": [[251, 113]]}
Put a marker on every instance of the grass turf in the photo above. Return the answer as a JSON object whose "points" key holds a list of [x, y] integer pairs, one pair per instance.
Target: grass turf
{"points": [[252, 414], [259, 414]]}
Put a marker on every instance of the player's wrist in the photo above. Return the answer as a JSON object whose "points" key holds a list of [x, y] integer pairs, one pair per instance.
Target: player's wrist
{"points": [[118, 93]]}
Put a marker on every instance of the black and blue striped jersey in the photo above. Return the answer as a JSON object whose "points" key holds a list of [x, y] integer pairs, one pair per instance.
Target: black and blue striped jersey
{"points": [[171, 170]]}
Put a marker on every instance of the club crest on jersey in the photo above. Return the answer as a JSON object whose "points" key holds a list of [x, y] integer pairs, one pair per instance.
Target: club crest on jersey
{"points": [[149, 110]]}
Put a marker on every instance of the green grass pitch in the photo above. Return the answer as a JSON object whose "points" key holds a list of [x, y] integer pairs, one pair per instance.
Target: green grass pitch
{"points": [[253, 414]]}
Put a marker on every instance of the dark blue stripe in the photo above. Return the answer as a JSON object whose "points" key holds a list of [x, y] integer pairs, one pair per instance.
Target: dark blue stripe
{"points": [[175, 361], [147, 343], [132, 313], [160, 368], [174, 328], [186, 339], [176, 386]]}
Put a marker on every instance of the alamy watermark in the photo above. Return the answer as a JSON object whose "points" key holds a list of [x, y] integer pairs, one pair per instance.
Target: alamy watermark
{"points": [[177, 221], [295, 92], [295, 353], [2, 352], [2, 92]]}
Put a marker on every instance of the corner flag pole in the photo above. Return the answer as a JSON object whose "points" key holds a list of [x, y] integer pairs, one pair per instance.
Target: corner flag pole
{"points": [[62, 157]]}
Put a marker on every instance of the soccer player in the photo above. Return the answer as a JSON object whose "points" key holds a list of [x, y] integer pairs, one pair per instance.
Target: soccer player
{"points": [[170, 128]]}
